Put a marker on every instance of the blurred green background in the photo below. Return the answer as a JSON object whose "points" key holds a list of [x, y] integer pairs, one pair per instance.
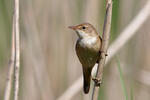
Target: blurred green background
{"points": [[49, 64]]}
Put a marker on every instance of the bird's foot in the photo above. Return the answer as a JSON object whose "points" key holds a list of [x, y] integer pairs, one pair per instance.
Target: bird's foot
{"points": [[103, 54], [106, 54], [97, 81]]}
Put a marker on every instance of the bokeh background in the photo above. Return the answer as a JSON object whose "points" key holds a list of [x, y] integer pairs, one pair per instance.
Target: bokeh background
{"points": [[49, 64]]}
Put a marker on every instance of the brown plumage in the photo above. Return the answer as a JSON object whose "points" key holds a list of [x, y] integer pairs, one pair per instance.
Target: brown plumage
{"points": [[87, 49]]}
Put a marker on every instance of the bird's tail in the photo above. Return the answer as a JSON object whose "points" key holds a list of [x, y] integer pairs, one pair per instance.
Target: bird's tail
{"points": [[87, 79]]}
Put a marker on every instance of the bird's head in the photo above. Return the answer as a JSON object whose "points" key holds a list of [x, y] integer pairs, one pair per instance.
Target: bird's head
{"points": [[84, 30]]}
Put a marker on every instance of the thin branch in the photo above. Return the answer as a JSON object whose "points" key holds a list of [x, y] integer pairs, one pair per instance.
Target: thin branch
{"points": [[122, 39], [104, 47], [10, 67], [17, 42], [15, 56]]}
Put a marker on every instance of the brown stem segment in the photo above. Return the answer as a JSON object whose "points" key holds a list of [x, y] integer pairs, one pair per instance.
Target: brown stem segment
{"points": [[105, 42]]}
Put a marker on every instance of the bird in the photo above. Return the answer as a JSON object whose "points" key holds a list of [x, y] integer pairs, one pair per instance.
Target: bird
{"points": [[88, 50]]}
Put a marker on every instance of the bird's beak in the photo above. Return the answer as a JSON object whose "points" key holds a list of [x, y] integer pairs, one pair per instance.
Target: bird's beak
{"points": [[72, 27]]}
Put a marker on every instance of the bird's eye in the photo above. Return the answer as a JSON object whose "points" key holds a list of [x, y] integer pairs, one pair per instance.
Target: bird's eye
{"points": [[83, 27]]}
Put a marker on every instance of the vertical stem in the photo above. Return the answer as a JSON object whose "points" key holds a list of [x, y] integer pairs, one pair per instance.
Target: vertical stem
{"points": [[104, 47], [17, 42]]}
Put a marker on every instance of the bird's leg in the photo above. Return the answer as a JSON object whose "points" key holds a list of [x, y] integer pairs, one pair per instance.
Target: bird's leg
{"points": [[97, 81]]}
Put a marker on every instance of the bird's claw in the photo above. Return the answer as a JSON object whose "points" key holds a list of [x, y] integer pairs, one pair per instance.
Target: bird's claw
{"points": [[103, 55], [97, 82]]}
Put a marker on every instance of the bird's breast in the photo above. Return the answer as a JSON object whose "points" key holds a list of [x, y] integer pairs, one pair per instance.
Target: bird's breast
{"points": [[88, 50], [88, 42]]}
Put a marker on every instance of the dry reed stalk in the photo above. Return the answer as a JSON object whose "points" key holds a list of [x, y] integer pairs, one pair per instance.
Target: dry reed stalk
{"points": [[17, 48], [104, 47], [15, 56]]}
